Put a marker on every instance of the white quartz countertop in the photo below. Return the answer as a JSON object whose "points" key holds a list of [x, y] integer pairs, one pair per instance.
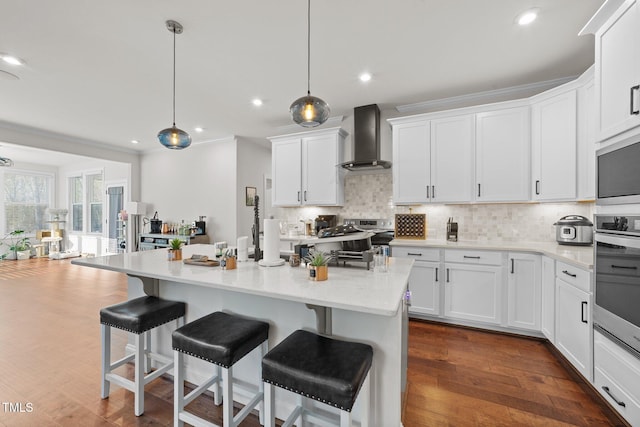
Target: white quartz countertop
{"points": [[348, 288], [580, 256]]}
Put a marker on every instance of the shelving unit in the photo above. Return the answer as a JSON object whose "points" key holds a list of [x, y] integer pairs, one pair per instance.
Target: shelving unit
{"points": [[121, 236], [149, 241]]}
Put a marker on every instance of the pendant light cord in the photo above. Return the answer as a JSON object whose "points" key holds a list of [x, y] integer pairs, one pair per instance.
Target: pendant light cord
{"points": [[308, 47], [174, 76]]}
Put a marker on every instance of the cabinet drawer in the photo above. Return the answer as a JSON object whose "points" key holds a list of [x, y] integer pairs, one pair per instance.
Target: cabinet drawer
{"points": [[574, 276], [473, 257], [617, 377], [419, 254]]}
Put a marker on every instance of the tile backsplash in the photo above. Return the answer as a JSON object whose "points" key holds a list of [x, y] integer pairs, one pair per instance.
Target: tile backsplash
{"points": [[370, 196]]}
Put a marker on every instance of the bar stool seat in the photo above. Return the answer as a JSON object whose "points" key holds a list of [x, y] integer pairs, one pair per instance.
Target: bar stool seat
{"points": [[321, 368], [138, 316], [222, 339]]}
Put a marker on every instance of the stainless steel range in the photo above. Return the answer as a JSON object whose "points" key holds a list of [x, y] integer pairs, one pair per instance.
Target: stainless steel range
{"points": [[356, 240]]}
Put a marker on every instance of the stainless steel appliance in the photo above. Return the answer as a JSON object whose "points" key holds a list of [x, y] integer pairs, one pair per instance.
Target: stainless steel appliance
{"points": [[574, 230], [616, 310], [325, 221], [366, 140], [618, 174]]}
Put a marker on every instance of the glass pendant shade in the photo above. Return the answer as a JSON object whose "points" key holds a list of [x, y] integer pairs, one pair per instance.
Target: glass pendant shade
{"points": [[174, 138], [309, 111]]}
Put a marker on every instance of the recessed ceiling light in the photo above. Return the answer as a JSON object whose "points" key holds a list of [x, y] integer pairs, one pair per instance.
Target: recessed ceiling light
{"points": [[199, 129], [527, 17], [10, 59], [257, 102], [134, 141], [365, 77]]}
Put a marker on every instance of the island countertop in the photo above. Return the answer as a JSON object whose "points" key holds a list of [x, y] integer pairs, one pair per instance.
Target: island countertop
{"points": [[348, 288]]}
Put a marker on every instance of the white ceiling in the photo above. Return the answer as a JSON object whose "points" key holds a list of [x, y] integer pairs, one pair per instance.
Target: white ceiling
{"points": [[102, 71]]}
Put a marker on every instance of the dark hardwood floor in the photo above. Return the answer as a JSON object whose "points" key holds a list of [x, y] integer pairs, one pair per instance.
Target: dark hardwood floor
{"points": [[50, 365]]}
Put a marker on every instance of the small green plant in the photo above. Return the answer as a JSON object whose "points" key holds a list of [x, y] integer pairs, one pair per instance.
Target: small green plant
{"points": [[317, 258], [19, 242], [175, 244]]}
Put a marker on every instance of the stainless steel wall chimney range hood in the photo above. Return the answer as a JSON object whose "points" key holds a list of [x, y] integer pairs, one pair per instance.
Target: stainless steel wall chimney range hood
{"points": [[366, 140]]}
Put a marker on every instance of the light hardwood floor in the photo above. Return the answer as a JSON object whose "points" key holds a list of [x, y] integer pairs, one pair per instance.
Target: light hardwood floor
{"points": [[50, 365]]}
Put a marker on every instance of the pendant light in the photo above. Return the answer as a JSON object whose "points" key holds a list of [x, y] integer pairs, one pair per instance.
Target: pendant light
{"points": [[309, 111], [173, 137]]}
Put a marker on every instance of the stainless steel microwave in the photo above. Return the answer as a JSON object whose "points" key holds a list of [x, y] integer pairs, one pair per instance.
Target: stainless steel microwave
{"points": [[618, 174]]}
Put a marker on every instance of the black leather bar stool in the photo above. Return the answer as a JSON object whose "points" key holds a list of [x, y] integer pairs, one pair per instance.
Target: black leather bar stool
{"points": [[138, 316], [324, 369], [222, 339]]}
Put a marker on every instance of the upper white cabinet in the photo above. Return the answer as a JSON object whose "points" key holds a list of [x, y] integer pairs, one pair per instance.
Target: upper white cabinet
{"points": [[305, 168], [617, 72], [433, 160], [553, 147], [587, 139], [502, 155]]}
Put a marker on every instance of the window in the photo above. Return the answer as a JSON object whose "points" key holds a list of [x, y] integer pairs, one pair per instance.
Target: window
{"points": [[86, 197], [27, 195]]}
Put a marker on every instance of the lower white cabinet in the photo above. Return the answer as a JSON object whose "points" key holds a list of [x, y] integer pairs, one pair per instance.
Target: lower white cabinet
{"points": [[617, 377], [573, 325], [523, 291], [473, 292], [425, 279], [548, 299]]}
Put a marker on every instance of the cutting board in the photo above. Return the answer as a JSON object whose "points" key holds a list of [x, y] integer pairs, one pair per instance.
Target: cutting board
{"points": [[207, 263]]}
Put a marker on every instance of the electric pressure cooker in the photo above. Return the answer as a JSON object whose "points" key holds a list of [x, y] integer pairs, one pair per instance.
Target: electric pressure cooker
{"points": [[574, 230]]}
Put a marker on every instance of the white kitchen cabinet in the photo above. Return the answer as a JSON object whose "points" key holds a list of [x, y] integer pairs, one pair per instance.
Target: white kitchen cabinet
{"points": [[433, 160], [574, 336], [554, 146], [425, 279], [587, 140], [306, 168], [502, 155], [548, 298], [473, 291], [617, 72], [523, 291], [411, 162]]}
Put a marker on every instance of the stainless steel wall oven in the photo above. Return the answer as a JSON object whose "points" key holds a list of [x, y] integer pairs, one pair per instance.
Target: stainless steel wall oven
{"points": [[616, 311], [618, 174]]}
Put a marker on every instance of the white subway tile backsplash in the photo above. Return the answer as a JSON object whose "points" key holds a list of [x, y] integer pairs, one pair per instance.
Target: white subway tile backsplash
{"points": [[370, 196]]}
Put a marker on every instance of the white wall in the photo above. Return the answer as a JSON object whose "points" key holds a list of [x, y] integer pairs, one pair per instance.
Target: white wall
{"points": [[185, 184]]}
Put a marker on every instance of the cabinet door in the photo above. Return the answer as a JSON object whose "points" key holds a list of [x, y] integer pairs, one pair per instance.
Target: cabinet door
{"points": [[587, 141], [424, 284], [618, 71], [573, 326], [548, 318], [502, 155], [473, 292], [320, 173], [554, 148], [286, 171], [411, 165], [452, 154], [524, 291]]}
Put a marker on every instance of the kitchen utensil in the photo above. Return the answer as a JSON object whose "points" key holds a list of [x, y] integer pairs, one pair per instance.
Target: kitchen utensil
{"points": [[574, 230]]}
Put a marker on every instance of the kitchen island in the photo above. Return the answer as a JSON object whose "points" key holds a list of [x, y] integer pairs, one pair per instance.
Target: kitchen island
{"points": [[354, 304]]}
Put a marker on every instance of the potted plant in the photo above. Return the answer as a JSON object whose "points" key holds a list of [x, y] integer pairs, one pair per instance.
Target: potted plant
{"points": [[317, 263], [175, 250], [20, 247]]}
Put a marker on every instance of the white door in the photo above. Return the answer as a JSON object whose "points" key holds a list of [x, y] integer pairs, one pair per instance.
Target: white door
{"points": [[320, 170], [554, 147], [573, 326], [502, 155], [115, 226], [424, 284], [411, 165], [286, 158], [473, 292], [523, 291], [452, 154], [618, 71]]}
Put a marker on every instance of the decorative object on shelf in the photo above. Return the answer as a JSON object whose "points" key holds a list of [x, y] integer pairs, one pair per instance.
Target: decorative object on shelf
{"points": [[173, 137], [411, 226], [175, 250], [250, 194], [309, 111], [5, 161], [318, 264]]}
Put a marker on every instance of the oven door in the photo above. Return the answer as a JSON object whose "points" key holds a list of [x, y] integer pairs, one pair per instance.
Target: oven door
{"points": [[617, 288]]}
